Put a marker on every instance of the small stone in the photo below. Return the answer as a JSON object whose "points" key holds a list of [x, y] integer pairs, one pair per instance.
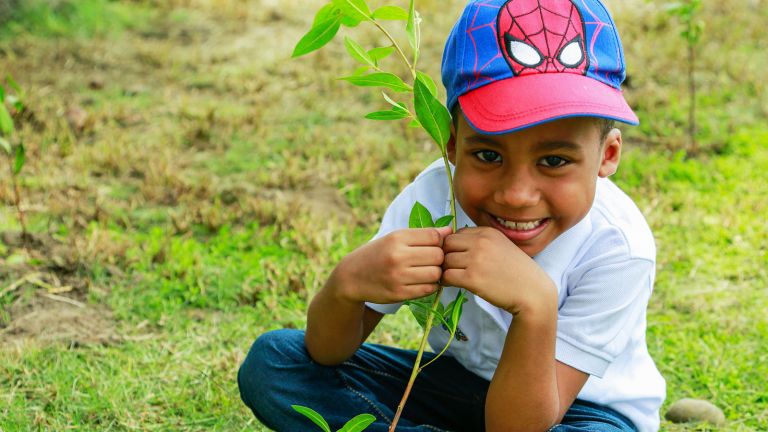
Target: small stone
{"points": [[695, 411]]}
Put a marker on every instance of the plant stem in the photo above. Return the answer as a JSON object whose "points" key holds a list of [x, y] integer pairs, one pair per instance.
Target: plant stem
{"points": [[431, 316], [17, 202], [399, 50], [416, 369], [454, 223], [692, 94]]}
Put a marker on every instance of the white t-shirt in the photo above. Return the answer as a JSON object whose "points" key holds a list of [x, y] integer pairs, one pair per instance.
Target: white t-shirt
{"points": [[604, 270]]}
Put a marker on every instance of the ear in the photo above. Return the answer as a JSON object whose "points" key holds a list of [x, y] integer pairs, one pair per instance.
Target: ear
{"points": [[451, 145], [610, 154]]}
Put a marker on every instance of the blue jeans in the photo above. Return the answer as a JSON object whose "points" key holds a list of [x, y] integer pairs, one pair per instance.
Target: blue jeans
{"points": [[278, 372]]}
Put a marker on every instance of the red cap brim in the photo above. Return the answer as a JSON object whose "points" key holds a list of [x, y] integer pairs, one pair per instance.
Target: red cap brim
{"points": [[523, 101]]}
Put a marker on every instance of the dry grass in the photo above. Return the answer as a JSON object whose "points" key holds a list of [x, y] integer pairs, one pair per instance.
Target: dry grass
{"points": [[203, 183]]}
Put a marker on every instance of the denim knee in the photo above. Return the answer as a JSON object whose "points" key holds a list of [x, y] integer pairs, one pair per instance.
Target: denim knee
{"points": [[270, 352]]}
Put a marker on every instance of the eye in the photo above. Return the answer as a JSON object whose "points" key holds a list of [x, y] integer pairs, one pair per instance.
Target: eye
{"points": [[523, 53], [571, 55], [553, 161], [488, 156]]}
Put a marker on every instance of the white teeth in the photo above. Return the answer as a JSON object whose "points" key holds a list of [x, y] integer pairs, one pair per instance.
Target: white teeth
{"points": [[520, 226]]}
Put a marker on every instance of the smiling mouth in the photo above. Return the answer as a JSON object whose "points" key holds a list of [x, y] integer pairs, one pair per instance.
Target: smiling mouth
{"points": [[520, 226]]}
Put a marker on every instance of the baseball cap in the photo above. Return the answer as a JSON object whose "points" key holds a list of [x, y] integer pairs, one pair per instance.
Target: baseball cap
{"points": [[512, 64]]}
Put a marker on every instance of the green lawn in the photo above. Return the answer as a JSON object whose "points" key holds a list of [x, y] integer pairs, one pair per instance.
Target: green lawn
{"points": [[215, 183]]}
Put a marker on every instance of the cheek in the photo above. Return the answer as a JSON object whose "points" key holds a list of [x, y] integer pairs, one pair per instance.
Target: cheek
{"points": [[470, 191], [573, 198]]}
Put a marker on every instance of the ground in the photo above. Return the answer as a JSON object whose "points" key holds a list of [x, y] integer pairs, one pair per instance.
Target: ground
{"points": [[188, 187]]}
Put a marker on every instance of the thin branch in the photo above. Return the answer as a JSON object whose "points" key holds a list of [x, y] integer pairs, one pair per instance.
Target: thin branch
{"points": [[416, 369], [397, 48]]}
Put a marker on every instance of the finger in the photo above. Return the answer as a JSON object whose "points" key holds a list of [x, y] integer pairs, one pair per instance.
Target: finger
{"points": [[422, 237], [424, 256], [456, 260], [421, 290], [422, 275], [458, 242], [471, 230], [444, 232], [455, 277]]}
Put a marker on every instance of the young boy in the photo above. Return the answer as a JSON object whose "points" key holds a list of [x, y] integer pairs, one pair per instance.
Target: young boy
{"points": [[557, 262]]}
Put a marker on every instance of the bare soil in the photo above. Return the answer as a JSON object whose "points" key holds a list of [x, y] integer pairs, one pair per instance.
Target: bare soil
{"points": [[52, 320], [49, 294]]}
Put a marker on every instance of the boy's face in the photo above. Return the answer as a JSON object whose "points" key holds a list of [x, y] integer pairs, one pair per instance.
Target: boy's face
{"points": [[533, 184]]}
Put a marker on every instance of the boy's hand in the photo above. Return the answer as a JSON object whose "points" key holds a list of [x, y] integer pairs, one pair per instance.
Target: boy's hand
{"points": [[402, 265], [485, 262]]}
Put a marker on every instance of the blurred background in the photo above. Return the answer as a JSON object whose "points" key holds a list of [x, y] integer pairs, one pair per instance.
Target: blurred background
{"points": [[185, 186]]}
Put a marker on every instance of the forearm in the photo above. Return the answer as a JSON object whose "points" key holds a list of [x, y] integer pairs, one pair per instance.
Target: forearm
{"points": [[523, 395], [335, 325]]}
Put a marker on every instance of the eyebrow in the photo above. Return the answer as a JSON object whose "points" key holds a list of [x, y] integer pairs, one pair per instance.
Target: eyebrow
{"points": [[543, 146], [482, 140], [558, 145]]}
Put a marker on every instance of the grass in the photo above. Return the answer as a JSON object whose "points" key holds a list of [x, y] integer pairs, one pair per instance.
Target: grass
{"points": [[191, 207]]}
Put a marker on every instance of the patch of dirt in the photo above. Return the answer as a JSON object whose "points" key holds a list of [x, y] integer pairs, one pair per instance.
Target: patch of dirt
{"points": [[45, 251], [321, 202], [51, 319], [45, 295]]}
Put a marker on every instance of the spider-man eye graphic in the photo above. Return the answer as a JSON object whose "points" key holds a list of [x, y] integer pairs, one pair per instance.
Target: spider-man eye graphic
{"points": [[548, 37]]}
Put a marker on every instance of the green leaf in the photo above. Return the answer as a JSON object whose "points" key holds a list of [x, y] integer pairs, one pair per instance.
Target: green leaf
{"points": [[393, 13], [318, 36], [358, 423], [2, 94], [355, 9], [413, 30], [380, 79], [452, 312], [378, 54], [357, 52], [388, 115], [21, 157], [420, 217], [349, 21], [422, 307], [5, 145], [314, 416], [428, 81], [6, 122], [420, 310], [414, 124], [325, 13], [432, 114], [444, 221], [360, 71]]}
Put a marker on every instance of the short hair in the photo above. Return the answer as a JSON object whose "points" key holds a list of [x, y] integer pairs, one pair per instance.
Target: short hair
{"points": [[606, 125]]}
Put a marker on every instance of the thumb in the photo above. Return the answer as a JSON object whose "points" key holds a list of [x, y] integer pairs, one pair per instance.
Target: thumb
{"points": [[444, 232]]}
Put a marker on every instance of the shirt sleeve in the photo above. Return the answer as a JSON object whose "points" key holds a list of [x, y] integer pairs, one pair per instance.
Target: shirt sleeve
{"points": [[604, 310]]}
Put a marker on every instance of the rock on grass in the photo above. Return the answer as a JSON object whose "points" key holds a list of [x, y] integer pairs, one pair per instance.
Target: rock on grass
{"points": [[695, 411]]}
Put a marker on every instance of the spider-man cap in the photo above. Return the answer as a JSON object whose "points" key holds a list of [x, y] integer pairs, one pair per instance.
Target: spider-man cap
{"points": [[512, 64]]}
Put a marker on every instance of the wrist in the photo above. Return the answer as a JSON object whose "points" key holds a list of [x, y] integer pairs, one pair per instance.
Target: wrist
{"points": [[541, 303], [338, 286]]}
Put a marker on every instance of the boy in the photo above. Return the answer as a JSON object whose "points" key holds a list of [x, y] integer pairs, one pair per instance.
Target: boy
{"points": [[557, 262]]}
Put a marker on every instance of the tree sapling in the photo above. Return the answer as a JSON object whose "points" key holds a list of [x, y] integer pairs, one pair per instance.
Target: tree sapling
{"points": [[687, 11], [422, 109], [16, 153]]}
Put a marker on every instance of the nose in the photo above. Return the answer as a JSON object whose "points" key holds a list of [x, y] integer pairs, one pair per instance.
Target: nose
{"points": [[518, 189]]}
